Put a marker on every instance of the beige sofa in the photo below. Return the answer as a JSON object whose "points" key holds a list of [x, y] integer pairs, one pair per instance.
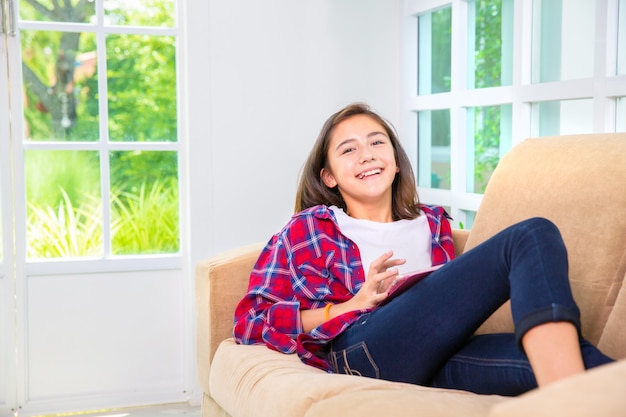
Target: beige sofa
{"points": [[579, 182]]}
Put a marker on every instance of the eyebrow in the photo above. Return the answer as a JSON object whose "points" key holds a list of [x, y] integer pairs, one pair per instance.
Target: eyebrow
{"points": [[369, 135]]}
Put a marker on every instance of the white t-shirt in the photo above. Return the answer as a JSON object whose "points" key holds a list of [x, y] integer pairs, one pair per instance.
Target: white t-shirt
{"points": [[409, 239]]}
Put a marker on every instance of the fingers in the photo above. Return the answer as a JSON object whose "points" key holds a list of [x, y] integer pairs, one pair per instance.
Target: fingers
{"points": [[384, 262], [385, 279], [383, 271]]}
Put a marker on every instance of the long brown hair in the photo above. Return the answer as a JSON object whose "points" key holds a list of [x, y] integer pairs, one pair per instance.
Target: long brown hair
{"points": [[312, 191]]}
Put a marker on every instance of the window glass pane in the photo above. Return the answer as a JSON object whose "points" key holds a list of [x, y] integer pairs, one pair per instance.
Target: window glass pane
{"points": [[489, 138], [60, 86], [434, 149], [620, 119], [141, 73], [64, 216], [144, 202], [434, 51], [490, 39], [566, 117], [139, 12], [563, 40], [469, 219], [621, 41], [80, 11]]}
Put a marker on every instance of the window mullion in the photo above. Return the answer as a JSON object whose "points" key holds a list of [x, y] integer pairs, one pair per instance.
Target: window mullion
{"points": [[459, 70], [604, 66], [522, 55], [103, 113]]}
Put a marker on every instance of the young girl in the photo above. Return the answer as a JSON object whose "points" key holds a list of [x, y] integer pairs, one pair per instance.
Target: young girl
{"points": [[317, 287]]}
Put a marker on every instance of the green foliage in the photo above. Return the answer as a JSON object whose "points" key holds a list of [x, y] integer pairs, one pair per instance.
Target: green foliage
{"points": [[68, 231], [144, 222], [488, 73], [142, 94], [442, 50], [141, 74], [487, 145], [140, 12], [51, 175], [129, 169], [488, 43]]}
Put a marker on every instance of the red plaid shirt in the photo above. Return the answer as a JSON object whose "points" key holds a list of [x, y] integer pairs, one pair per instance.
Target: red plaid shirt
{"points": [[307, 265]]}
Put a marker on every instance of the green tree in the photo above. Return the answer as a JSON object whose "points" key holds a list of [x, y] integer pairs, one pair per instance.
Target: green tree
{"points": [[141, 73], [58, 96], [488, 73]]}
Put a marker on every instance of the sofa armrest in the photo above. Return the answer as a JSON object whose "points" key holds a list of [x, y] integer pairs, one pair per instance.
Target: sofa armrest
{"points": [[460, 238], [220, 282]]}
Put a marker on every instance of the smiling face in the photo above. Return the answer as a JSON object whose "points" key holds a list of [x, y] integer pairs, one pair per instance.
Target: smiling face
{"points": [[362, 165]]}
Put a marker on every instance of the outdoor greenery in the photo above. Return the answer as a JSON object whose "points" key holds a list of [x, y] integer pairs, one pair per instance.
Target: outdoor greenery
{"points": [[63, 90], [487, 50], [143, 222], [488, 73]]}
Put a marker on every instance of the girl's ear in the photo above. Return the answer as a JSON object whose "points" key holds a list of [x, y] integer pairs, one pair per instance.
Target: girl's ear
{"points": [[327, 178]]}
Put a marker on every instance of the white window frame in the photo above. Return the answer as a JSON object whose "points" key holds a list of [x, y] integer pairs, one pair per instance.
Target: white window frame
{"points": [[108, 262], [604, 88]]}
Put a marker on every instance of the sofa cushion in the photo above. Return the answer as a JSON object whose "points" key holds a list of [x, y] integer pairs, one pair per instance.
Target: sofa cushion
{"points": [[578, 182], [429, 402], [256, 381], [598, 392]]}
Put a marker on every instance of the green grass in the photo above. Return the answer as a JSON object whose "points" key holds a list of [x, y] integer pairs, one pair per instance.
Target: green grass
{"points": [[144, 221], [64, 231]]}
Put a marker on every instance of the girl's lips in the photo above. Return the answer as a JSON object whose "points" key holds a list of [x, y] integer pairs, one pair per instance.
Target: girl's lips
{"points": [[368, 173]]}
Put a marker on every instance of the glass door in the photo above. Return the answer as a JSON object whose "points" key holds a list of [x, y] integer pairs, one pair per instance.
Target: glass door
{"points": [[90, 255]]}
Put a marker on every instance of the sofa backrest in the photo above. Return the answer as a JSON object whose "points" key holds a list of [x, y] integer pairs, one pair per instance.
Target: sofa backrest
{"points": [[578, 182]]}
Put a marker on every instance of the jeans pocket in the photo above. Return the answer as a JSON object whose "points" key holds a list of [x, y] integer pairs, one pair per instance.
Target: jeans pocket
{"points": [[354, 360]]}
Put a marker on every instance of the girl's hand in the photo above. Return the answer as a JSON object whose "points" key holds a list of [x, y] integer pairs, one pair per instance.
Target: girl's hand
{"points": [[381, 274]]}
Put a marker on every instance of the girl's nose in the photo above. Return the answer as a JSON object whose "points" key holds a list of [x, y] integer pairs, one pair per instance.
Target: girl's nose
{"points": [[366, 157]]}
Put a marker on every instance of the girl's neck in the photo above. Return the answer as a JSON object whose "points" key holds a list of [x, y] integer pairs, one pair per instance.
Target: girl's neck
{"points": [[374, 214]]}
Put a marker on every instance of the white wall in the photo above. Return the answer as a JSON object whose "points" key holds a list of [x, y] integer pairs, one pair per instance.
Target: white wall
{"points": [[263, 77]]}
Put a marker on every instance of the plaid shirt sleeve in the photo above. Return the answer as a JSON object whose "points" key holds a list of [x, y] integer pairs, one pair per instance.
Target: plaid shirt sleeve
{"points": [[442, 250], [269, 313]]}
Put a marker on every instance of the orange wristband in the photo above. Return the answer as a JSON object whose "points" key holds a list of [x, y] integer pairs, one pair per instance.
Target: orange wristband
{"points": [[327, 311]]}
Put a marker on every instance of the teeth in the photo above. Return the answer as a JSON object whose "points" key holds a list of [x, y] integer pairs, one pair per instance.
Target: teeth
{"points": [[368, 173]]}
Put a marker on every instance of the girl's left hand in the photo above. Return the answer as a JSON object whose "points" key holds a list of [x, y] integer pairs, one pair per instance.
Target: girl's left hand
{"points": [[381, 274]]}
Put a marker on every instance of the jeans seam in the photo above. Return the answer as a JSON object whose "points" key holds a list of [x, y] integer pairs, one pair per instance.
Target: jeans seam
{"points": [[347, 369], [491, 362]]}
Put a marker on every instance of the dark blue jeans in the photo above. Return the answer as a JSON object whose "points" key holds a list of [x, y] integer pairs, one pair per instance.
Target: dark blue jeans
{"points": [[425, 336]]}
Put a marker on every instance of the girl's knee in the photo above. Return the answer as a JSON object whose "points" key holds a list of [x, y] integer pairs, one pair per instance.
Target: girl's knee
{"points": [[539, 223], [540, 226]]}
